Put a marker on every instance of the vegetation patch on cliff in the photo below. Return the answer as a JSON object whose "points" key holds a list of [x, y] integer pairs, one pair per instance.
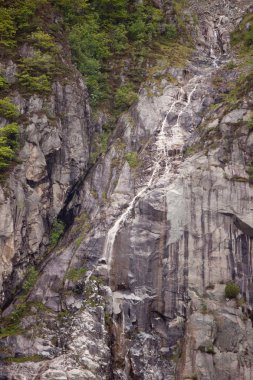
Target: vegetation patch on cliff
{"points": [[232, 290], [8, 136], [242, 43], [56, 233], [111, 42]]}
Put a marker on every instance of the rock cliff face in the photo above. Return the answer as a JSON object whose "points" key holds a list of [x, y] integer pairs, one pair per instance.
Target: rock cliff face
{"points": [[135, 289], [56, 139]]}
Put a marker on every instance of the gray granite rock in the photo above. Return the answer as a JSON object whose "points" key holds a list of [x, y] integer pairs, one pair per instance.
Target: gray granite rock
{"points": [[157, 242]]}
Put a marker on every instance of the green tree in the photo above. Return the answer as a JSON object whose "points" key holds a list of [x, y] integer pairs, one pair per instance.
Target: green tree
{"points": [[43, 41], [90, 49], [7, 29], [8, 109], [3, 83], [118, 38], [8, 145], [37, 72]]}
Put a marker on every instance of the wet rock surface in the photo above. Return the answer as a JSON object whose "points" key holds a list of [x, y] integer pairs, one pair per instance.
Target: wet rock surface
{"points": [[137, 292]]}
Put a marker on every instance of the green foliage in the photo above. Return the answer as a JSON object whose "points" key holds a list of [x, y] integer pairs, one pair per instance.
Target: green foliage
{"points": [[17, 18], [56, 233], [3, 83], [80, 228], [37, 73], [240, 302], [90, 48], [239, 88], [100, 145], [75, 274], [102, 34], [124, 97], [11, 324], [118, 38], [43, 41], [243, 36], [25, 359], [6, 156], [24, 14], [170, 31], [132, 159], [100, 31], [204, 308], [232, 290], [8, 109], [7, 30], [8, 145], [178, 7], [9, 133], [35, 84], [250, 125], [104, 196], [72, 9], [30, 281], [242, 40], [11, 330]]}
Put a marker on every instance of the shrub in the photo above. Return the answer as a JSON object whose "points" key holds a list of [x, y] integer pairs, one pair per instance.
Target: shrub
{"points": [[10, 134], [101, 28], [6, 155], [30, 281], [124, 97], [37, 73], [90, 48], [7, 29], [232, 290], [72, 9], [243, 35], [250, 125], [24, 13], [132, 159], [8, 145], [118, 37], [170, 31], [56, 233], [75, 274], [35, 84], [3, 83], [43, 42], [8, 109], [204, 308]]}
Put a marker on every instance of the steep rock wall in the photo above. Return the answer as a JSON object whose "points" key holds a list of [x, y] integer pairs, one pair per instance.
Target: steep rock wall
{"points": [[55, 144]]}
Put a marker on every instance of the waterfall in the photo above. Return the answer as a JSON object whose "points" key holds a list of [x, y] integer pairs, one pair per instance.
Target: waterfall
{"points": [[169, 138]]}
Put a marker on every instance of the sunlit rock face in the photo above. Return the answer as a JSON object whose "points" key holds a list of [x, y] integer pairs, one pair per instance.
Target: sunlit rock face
{"points": [[158, 241]]}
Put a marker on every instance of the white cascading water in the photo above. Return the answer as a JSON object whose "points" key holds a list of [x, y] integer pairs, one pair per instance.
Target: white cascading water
{"points": [[168, 139]]}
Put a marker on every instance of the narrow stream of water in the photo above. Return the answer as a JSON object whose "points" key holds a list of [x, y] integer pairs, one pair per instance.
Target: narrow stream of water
{"points": [[171, 137]]}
